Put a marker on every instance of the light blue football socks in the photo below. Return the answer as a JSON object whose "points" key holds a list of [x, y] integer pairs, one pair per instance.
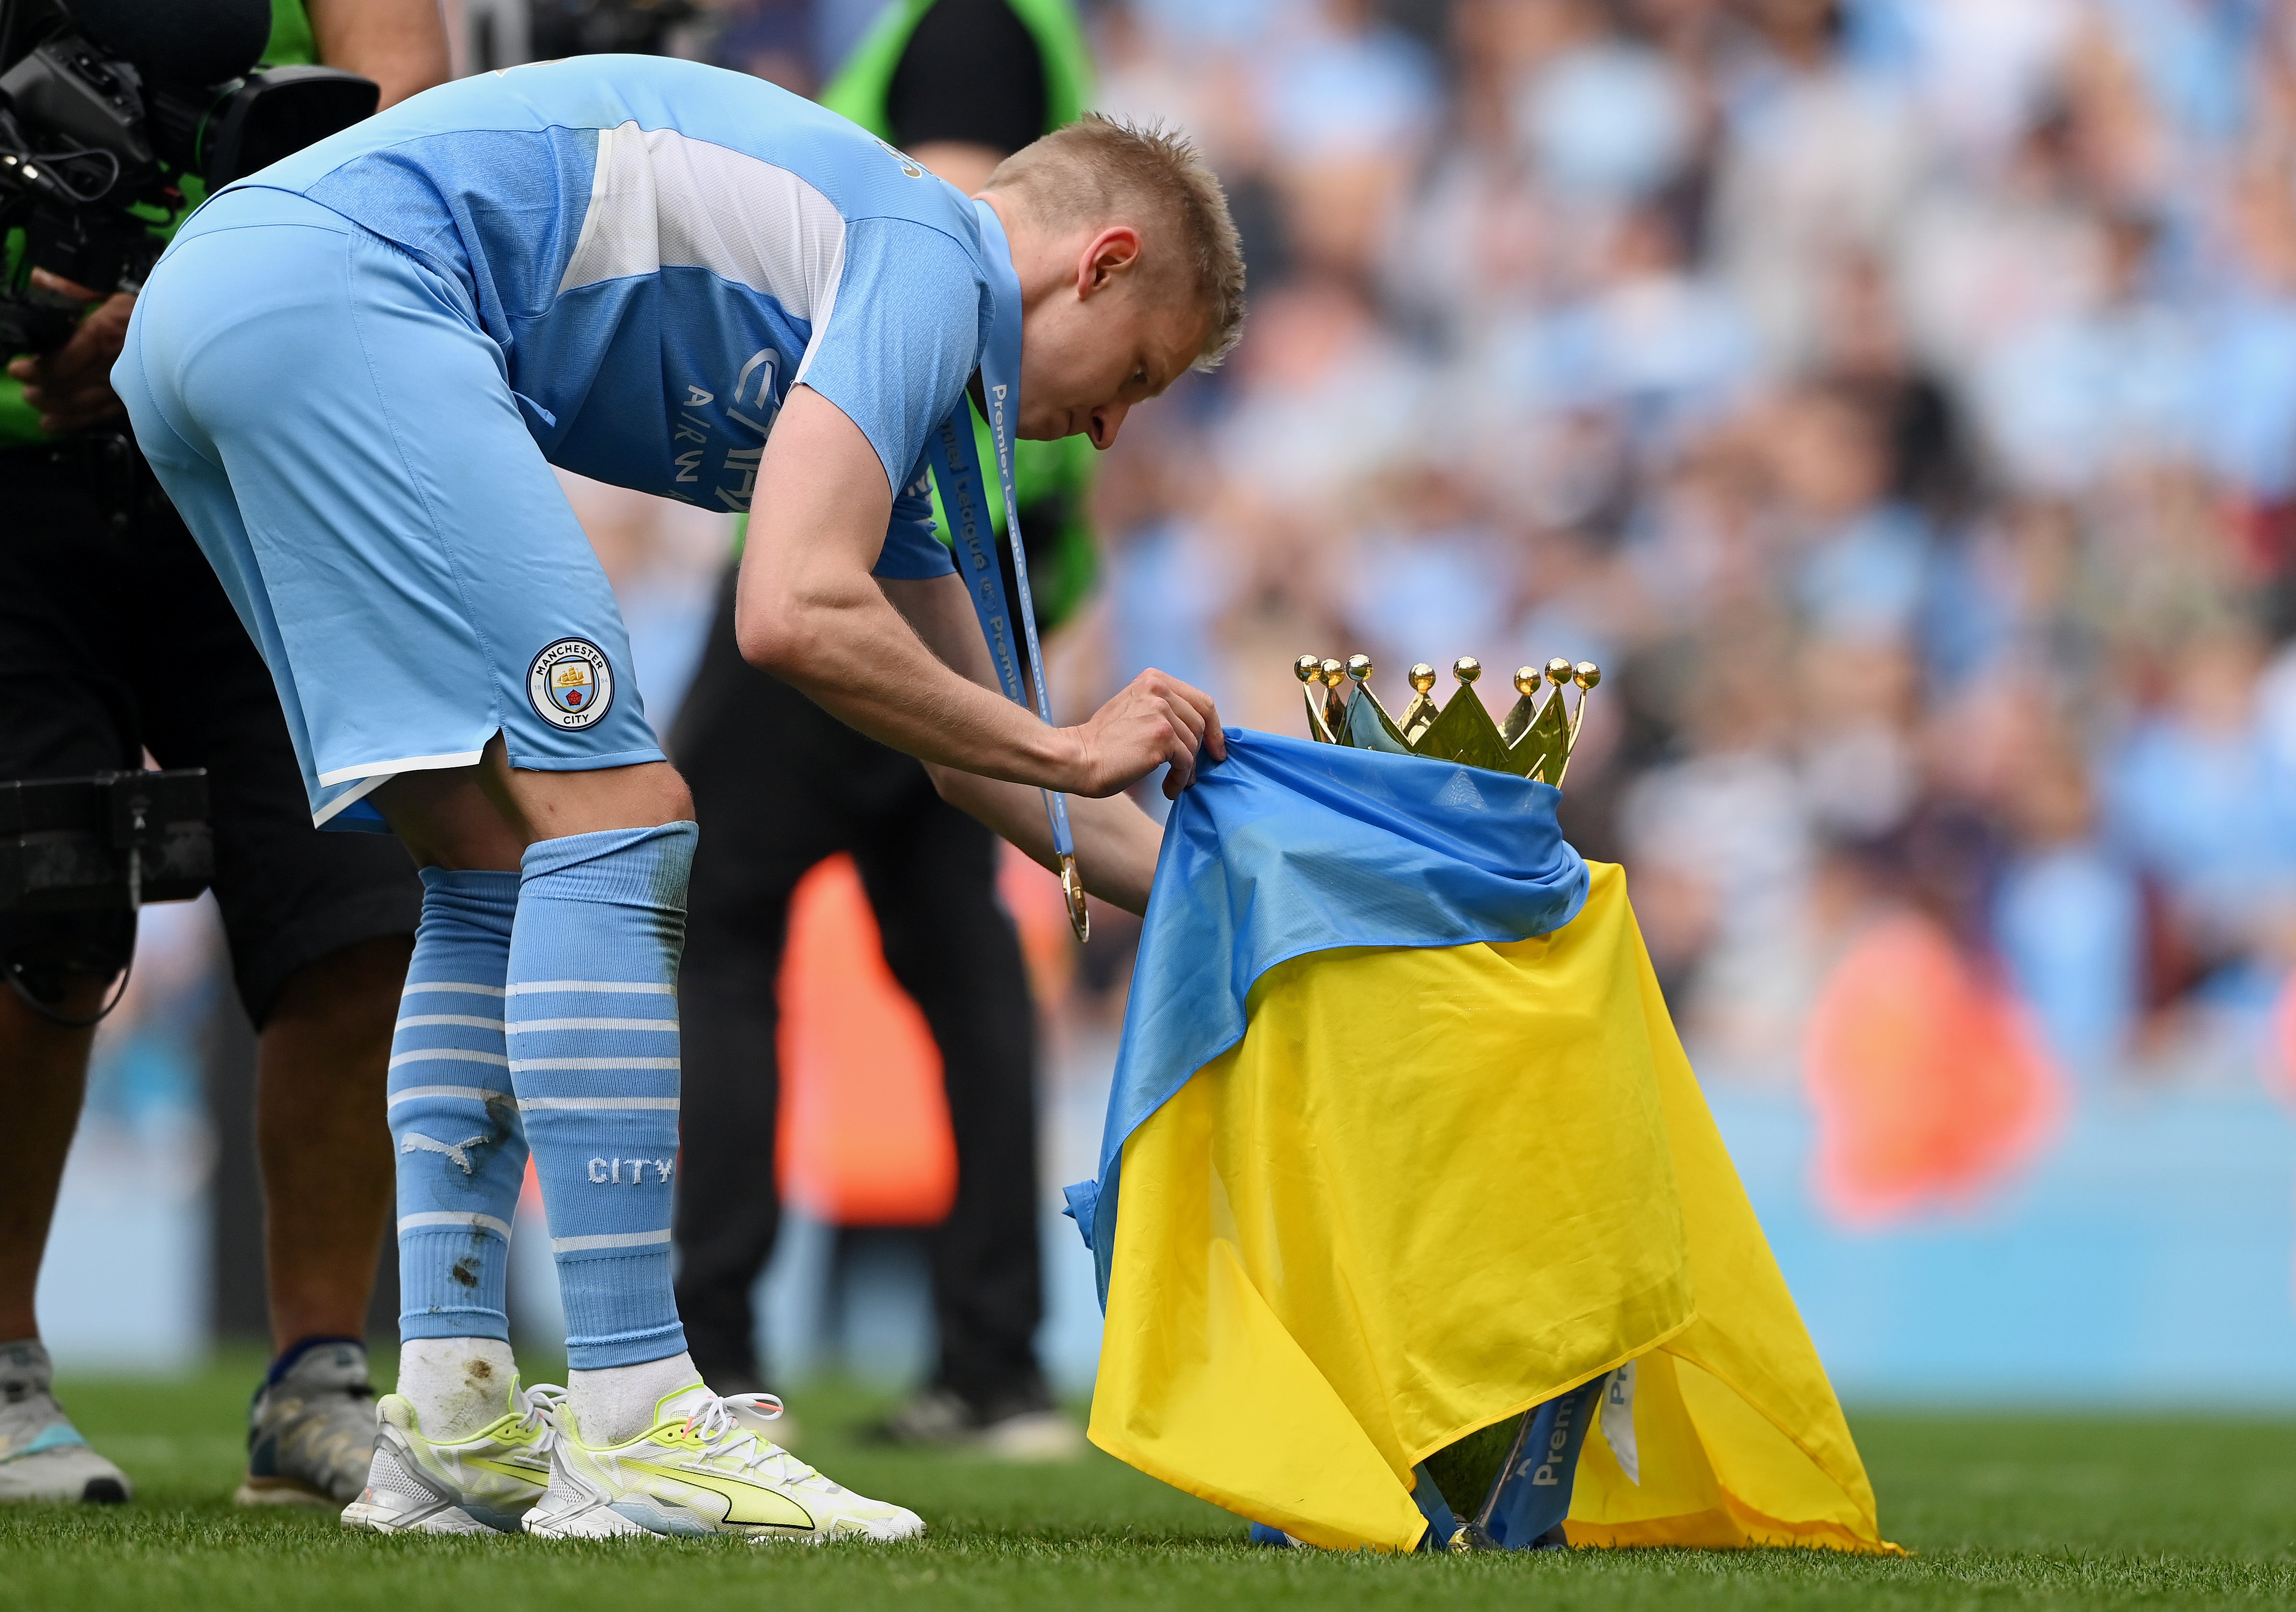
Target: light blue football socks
{"points": [[592, 1022], [541, 1011], [453, 1123]]}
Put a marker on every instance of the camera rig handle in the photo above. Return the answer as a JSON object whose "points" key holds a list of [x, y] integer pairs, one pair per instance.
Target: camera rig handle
{"points": [[117, 839]]}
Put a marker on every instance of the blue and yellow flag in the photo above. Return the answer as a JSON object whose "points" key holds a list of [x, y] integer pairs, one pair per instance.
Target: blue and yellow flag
{"points": [[1402, 1144]]}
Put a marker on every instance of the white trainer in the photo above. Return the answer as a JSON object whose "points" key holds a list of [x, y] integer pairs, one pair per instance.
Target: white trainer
{"points": [[483, 1482], [707, 1466], [310, 1436], [42, 1455]]}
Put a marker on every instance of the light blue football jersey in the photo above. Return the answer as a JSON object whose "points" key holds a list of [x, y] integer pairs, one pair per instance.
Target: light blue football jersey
{"points": [[662, 250]]}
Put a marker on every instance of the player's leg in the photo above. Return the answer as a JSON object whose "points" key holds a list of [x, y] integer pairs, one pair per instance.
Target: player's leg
{"points": [[949, 941], [588, 1013], [592, 1044], [592, 1021], [590, 906], [458, 1447]]}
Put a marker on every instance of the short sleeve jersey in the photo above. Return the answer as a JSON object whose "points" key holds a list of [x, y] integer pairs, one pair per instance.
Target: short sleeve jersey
{"points": [[661, 250]]}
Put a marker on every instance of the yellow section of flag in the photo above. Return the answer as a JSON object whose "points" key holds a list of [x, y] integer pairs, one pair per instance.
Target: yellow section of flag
{"points": [[1434, 1187]]}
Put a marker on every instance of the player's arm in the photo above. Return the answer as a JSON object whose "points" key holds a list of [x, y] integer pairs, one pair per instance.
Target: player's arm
{"points": [[1116, 841], [809, 610], [400, 43]]}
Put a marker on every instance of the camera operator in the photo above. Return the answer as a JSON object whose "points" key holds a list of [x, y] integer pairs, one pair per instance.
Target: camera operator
{"points": [[958, 84], [116, 638]]}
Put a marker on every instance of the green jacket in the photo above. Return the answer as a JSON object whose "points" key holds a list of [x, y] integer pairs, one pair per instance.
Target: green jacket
{"points": [[859, 90], [290, 45], [1053, 480]]}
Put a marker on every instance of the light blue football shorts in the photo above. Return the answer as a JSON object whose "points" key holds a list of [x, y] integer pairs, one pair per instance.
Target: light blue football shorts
{"points": [[339, 435]]}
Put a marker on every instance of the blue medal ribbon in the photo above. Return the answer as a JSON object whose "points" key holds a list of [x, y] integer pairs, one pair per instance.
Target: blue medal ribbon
{"points": [[956, 469]]}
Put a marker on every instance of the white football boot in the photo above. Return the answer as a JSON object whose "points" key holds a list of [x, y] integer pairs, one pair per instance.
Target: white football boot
{"points": [[484, 1482], [706, 1466]]}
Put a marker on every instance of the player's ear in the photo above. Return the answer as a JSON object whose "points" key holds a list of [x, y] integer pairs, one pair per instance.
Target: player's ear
{"points": [[1107, 259]]}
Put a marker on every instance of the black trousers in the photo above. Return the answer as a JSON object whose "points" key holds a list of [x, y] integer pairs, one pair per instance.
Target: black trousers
{"points": [[115, 636], [778, 785]]}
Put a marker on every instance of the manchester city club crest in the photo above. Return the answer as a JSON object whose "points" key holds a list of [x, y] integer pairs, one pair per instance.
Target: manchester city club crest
{"points": [[570, 684]]}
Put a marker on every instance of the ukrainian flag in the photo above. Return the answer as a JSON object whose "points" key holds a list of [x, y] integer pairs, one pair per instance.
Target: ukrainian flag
{"points": [[1402, 1144]]}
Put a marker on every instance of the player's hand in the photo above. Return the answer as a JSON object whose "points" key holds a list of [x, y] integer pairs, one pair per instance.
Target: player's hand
{"points": [[72, 387], [1156, 720]]}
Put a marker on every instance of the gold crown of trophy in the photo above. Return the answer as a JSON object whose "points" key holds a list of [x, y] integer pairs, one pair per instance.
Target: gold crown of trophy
{"points": [[1534, 742]]}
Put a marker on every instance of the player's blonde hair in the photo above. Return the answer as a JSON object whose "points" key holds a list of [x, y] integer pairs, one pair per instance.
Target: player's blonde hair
{"points": [[1098, 171]]}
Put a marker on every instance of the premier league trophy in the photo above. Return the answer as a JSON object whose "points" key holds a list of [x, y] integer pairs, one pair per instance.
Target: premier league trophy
{"points": [[1511, 1482], [1428, 1239]]}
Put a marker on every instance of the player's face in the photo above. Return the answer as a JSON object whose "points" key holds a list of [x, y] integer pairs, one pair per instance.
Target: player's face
{"points": [[1087, 357]]}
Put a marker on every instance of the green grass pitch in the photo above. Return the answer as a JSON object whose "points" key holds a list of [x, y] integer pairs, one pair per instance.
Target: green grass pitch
{"points": [[2025, 1511]]}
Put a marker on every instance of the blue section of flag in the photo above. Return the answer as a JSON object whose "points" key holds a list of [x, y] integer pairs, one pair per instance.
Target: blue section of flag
{"points": [[1289, 847]]}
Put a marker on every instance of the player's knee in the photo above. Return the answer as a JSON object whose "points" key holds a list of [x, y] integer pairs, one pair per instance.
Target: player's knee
{"points": [[647, 795], [65, 961], [353, 989]]}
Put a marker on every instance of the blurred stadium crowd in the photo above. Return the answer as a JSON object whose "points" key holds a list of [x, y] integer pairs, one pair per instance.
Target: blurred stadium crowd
{"points": [[1897, 397]]}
